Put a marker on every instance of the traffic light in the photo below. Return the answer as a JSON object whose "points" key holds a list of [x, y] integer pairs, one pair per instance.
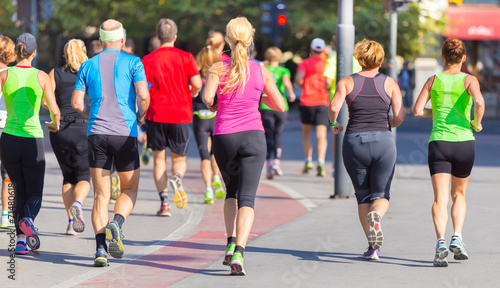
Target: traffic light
{"points": [[273, 19], [266, 18], [280, 18]]}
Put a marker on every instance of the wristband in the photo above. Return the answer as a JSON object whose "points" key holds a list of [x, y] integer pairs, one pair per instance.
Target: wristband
{"points": [[332, 124]]}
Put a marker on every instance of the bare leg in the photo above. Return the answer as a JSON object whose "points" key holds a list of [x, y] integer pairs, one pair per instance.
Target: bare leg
{"points": [[160, 170], [459, 207], [5, 196], [179, 164], [102, 194], [68, 197], [380, 206], [441, 185], [129, 181], [81, 191], [322, 141], [230, 214], [206, 172], [333, 147], [244, 222], [306, 140]]}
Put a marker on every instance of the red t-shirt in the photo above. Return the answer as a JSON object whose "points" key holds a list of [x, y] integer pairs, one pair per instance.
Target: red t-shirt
{"points": [[313, 91], [169, 70]]}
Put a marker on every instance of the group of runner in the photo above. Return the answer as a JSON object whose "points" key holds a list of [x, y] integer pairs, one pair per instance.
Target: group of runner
{"points": [[97, 104]]}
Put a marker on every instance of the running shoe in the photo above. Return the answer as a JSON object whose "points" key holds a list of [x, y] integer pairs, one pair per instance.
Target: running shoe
{"points": [[321, 170], [217, 185], [21, 249], [457, 246], [145, 155], [101, 259], [115, 186], [375, 235], [209, 196], [164, 210], [70, 230], [26, 225], [237, 265], [277, 169], [269, 172], [76, 212], [114, 235], [441, 254], [307, 167], [7, 223], [180, 197], [371, 254], [229, 254]]}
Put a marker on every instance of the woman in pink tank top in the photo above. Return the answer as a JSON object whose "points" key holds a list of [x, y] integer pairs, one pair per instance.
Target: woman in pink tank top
{"points": [[239, 142]]}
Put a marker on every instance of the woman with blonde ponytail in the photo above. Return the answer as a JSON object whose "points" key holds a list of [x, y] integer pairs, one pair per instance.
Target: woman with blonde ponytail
{"points": [[239, 143], [70, 142]]}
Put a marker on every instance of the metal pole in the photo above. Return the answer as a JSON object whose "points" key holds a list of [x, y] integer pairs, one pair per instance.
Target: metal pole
{"points": [[33, 20], [392, 69], [345, 47]]}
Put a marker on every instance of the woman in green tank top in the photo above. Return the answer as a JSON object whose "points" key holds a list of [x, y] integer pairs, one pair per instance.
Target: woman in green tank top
{"points": [[451, 144], [22, 151]]}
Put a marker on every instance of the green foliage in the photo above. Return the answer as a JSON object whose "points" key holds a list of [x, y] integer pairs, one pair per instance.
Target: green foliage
{"points": [[8, 27]]}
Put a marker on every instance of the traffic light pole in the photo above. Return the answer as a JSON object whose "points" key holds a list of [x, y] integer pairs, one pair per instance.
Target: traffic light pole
{"points": [[33, 28], [393, 35], [345, 47]]}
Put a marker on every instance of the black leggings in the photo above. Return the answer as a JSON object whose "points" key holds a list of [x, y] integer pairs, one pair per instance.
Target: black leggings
{"points": [[71, 150], [202, 130], [240, 157], [273, 122], [24, 161]]}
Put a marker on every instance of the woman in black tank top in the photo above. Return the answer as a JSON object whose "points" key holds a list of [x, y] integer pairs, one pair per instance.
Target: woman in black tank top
{"points": [[70, 142], [369, 148]]}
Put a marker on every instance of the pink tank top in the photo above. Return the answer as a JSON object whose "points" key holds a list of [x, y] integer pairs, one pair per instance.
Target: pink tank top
{"points": [[239, 112]]}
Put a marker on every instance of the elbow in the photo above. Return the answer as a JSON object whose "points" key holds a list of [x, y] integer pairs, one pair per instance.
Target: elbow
{"points": [[282, 107], [418, 113], [479, 104], [398, 120]]}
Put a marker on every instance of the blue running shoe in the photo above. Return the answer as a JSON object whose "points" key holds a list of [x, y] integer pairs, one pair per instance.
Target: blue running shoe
{"points": [[441, 254], [21, 248], [371, 254], [114, 235], [26, 225], [457, 246], [101, 259]]}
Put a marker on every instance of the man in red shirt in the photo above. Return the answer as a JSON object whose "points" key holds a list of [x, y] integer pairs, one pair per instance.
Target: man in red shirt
{"points": [[313, 104], [174, 80]]}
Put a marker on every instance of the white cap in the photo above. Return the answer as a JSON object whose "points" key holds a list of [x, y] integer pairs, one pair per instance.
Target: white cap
{"points": [[318, 44]]}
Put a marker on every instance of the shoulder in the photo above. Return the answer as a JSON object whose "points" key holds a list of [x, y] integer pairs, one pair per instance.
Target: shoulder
{"points": [[216, 69]]}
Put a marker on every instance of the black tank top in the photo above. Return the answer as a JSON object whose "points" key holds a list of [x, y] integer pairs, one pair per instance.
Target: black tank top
{"points": [[65, 82], [198, 100], [368, 104]]}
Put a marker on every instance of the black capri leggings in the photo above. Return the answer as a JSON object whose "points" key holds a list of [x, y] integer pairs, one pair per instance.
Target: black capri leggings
{"points": [[202, 130], [273, 122], [24, 160], [70, 147], [369, 158], [240, 157]]}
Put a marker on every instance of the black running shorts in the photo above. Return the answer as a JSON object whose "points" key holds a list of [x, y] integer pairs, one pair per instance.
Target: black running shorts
{"points": [[106, 149], [455, 158], [173, 136], [314, 115]]}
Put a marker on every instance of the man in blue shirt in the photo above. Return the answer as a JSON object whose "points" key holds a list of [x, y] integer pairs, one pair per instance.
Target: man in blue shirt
{"points": [[116, 84]]}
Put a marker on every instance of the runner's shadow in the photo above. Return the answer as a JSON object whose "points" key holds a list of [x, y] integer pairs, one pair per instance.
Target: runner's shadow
{"points": [[57, 258]]}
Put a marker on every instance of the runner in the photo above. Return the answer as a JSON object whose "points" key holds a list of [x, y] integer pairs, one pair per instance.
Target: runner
{"points": [[21, 143], [203, 129], [313, 105], [451, 144], [369, 147], [274, 121], [239, 141], [175, 80], [111, 80], [70, 142], [7, 55], [216, 41], [331, 83]]}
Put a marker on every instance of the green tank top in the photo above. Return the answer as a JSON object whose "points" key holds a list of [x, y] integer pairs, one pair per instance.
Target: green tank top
{"points": [[23, 96], [451, 109], [278, 72]]}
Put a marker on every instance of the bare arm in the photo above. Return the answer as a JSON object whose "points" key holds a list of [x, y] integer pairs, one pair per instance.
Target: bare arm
{"points": [[53, 82], [272, 98], [299, 79], [338, 99], [78, 103], [398, 110], [474, 90], [424, 96], [289, 87], [50, 99], [196, 84], [212, 84], [142, 100], [328, 83]]}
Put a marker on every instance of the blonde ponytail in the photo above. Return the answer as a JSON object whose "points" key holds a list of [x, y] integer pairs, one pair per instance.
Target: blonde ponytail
{"points": [[239, 35], [75, 53]]}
